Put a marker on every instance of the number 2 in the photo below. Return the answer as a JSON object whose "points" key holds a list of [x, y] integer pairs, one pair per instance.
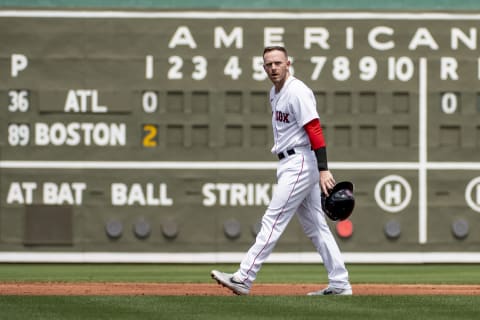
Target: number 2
{"points": [[150, 133]]}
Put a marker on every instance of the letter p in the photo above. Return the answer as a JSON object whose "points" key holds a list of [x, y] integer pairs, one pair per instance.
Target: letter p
{"points": [[18, 63]]}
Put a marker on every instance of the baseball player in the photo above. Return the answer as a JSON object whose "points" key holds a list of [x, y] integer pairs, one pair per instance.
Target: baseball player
{"points": [[300, 147]]}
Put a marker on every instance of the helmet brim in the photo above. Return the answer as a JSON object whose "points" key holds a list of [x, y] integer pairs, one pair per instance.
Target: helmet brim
{"points": [[343, 185]]}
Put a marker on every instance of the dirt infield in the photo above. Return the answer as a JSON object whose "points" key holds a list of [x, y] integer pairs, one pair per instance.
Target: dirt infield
{"points": [[197, 289]]}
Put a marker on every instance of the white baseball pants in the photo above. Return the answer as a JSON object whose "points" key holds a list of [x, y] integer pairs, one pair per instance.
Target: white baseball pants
{"points": [[298, 191]]}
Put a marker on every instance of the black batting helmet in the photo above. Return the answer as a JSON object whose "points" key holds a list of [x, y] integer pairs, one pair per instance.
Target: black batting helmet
{"points": [[338, 205]]}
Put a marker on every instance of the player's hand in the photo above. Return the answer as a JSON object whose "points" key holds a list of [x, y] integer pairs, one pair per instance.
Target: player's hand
{"points": [[327, 182]]}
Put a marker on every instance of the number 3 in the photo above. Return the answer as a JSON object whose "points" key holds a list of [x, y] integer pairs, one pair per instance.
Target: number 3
{"points": [[18, 100]]}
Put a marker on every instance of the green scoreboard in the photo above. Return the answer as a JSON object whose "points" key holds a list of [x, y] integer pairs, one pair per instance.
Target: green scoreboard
{"points": [[149, 131]]}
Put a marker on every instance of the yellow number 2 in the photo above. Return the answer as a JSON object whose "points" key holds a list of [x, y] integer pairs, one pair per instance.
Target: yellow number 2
{"points": [[150, 132]]}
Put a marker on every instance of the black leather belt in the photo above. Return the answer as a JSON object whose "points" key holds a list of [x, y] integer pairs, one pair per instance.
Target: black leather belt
{"points": [[285, 154]]}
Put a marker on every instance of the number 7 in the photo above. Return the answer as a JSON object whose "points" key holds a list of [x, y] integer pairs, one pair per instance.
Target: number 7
{"points": [[319, 63]]}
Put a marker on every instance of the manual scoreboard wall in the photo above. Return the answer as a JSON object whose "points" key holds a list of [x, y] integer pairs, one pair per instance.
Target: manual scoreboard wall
{"points": [[150, 131]]}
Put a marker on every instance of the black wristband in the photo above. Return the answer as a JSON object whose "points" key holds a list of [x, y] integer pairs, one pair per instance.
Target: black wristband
{"points": [[321, 155]]}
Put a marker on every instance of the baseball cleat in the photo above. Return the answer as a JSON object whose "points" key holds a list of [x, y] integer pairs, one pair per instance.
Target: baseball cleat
{"points": [[329, 291], [229, 281]]}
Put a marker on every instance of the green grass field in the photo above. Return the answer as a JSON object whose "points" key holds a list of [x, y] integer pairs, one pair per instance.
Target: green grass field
{"points": [[233, 307], [270, 273]]}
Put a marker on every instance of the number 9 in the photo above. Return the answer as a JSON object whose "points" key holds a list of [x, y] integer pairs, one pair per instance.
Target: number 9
{"points": [[18, 134], [368, 68]]}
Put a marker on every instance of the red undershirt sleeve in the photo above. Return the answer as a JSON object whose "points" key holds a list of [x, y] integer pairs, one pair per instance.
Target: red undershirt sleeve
{"points": [[317, 141], [315, 134]]}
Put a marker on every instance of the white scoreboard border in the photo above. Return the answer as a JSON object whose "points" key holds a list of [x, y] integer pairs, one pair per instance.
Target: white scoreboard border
{"points": [[423, 165], [246, 15], [236, 257]]}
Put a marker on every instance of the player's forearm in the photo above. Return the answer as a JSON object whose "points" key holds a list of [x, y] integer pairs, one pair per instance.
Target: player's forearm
{"points": [[321, 155], [317, 141]]}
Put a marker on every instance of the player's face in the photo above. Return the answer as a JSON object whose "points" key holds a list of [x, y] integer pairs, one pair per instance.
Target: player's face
{"points": [[276, 66]]}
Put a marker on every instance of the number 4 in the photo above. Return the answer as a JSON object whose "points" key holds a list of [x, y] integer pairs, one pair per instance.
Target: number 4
{"points": [[232, 68]]}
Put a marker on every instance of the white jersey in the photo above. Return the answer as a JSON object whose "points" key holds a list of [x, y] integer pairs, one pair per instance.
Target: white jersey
{"points": [[292, 108]]}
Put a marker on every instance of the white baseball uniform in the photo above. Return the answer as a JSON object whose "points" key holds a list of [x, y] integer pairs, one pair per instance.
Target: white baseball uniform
{"points": [[297, 190]]}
